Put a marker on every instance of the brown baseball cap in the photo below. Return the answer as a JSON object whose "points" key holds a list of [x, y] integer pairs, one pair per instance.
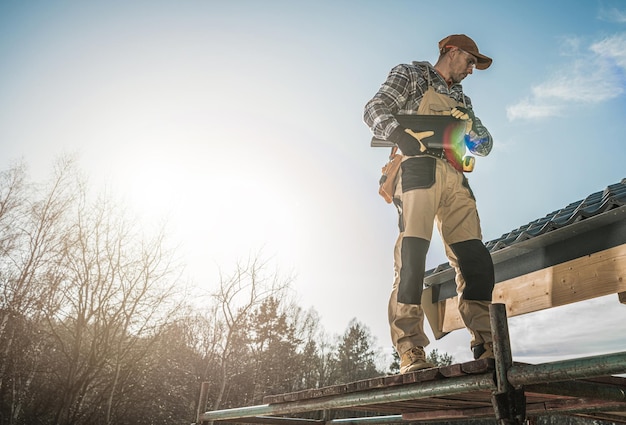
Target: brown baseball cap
{"points": [[463, 42]]}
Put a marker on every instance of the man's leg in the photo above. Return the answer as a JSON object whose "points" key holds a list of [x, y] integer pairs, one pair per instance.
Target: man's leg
{"points": [[473, 265], [406, 317], [459, 226], [416, 198]]}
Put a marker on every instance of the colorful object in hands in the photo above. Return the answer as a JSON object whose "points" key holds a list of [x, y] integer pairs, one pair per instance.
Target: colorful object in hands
{"points": [[449, 135]]}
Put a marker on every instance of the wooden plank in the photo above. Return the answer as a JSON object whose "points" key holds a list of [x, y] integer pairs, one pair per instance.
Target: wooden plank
{"points": [[592, 276], [420, 376], [450, 317], [577, 404], [366, 384], [481, 412], [599, 274], [478, 366], [392, 380], [460, 369], [469, 400], [356, 386], [433, 312], [467, 368], [306, 394], [452, 370]]}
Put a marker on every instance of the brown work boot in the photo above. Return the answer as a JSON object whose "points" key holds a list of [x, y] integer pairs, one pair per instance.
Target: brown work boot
{"points": [[483, 351], [414, 359]]}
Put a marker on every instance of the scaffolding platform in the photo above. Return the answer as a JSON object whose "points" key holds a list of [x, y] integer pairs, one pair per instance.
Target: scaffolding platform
{"points": [[469, 387], [511, 393]]}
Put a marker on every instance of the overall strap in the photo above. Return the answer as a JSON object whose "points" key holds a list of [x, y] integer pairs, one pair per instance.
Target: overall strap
{"points": [[430, 84]]}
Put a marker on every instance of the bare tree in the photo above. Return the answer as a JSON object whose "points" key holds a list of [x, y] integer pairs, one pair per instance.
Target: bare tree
{"points": [[315, 350], [32, 221], [12, 199], [32, 226], [237, 296], [115, 290]]}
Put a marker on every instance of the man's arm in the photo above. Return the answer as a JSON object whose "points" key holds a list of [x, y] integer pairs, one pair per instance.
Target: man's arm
{"points": [[392, 95], [390, 98], [479, 140]]}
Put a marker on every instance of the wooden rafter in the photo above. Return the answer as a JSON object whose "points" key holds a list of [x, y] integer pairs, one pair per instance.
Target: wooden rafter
{"points": [[592, 276]]}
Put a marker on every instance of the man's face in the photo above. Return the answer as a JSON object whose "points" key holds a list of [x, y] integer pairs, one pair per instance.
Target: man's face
{"points": [[461, 65]]}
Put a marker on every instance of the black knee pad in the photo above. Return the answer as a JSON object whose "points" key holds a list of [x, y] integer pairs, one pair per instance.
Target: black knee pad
{"points": [[413, 254], [477, 269]]}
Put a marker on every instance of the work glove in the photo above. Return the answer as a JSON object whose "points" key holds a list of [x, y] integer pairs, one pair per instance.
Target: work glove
{"points": [[409, 141], [464, 114], [477, 138]]}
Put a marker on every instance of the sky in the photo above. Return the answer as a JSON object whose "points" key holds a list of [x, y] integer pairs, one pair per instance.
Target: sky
{"points": [[241, 123]]}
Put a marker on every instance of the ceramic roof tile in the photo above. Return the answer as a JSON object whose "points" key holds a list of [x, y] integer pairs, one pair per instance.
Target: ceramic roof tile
{"points": [[611, 197]]}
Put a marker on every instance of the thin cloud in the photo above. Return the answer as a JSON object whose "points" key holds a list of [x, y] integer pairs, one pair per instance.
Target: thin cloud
{"points": [[612, 49], [612, 14], [597, 76], [587, 82], [530, 109], [569, 331], [569, 45]]}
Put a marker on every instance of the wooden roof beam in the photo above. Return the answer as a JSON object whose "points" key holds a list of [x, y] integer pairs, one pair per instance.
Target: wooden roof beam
{"points": [[592, 276]]}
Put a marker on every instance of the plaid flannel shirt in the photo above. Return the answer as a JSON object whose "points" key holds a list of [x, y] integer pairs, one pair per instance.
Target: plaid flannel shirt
{"points": [[402, 92]]}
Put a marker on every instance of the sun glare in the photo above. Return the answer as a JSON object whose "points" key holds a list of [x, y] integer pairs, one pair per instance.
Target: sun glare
{"points": [[216, 216], [150, 190]]}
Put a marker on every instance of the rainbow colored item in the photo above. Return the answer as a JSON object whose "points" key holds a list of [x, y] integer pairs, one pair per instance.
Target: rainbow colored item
{"points": [[449, 134]]}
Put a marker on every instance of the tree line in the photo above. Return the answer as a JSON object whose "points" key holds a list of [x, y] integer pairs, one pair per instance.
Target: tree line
{"points": [[94, 327]]}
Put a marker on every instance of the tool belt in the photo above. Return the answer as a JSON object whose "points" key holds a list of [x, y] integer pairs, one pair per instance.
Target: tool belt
{"points": [[387, 182], [448, 130], [437, 153], [448, 136]]}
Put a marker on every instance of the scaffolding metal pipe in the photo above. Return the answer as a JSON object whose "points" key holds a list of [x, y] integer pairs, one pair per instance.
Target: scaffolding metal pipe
{"points": [[390, 419], [280, 420], [382, 395], [501, 345], [204, 397], [276, 420], [565, 370]]}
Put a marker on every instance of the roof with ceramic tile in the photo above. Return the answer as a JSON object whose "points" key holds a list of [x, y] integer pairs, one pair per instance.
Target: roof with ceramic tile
{"points": [[593, 224], [613, 196]]}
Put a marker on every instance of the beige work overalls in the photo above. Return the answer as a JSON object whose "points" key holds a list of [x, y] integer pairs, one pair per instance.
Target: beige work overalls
{"points": [[437, 193]]}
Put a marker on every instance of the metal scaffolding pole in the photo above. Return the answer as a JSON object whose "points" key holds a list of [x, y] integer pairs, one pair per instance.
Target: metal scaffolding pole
{"points": [[382, 395], [566, 370], [389, 419], [280, 420], [509, 403]]}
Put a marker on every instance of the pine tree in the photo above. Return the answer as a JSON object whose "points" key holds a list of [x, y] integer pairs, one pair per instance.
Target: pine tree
{"points": [[355, 358]]}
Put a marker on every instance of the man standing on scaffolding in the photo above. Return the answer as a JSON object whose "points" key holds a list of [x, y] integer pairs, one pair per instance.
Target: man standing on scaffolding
{"points": [[431, 187]]}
